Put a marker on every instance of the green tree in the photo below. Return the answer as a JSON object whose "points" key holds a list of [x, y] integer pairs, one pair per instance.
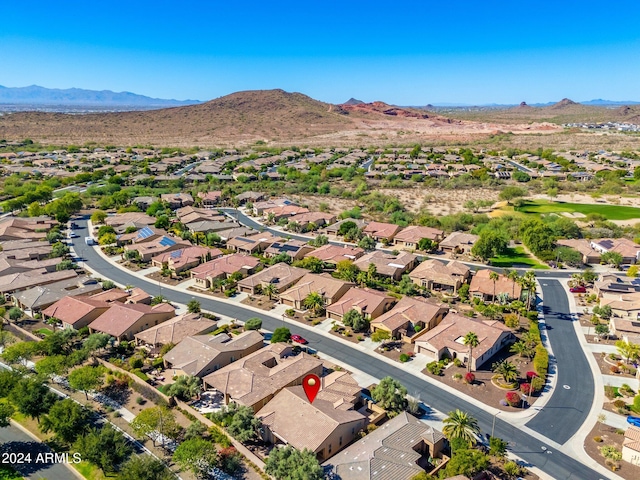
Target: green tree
{"points": [[20, 352], [253, 324], [630, 351], [427, 245], [463, 291], [471, 340], [193, 306], [281, 334], [196, 429], [314, 302], [633, 271], [144, 467], [367, 243], [390, 394], [15, 314], [32, 398], [569, 256], [196, 455], [494, 277], [467, 462], [66, 419], [319, 241], [239, 421], [346, 270], [459, 424], [612, 258], [602, 330], [490, 243], [497, 447], [507, 370], [162, 222], [290, 464], [107, 239], [538, 237], [522, 349], [96, 342], [85, 378], [380, 336], [185, 387], [105, 447], [354, 319], [98, 217], [53, 365], [158, 419], [269, 290], [313, 264], [6, 411]]}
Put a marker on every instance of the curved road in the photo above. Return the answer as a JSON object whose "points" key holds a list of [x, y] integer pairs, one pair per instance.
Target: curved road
{"points": [[527, 447]]}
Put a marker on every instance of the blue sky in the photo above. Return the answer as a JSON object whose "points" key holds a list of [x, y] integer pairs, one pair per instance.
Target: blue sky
{"points": [[401, 52]]}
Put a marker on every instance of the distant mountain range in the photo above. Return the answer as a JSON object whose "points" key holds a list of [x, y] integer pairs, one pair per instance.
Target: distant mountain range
{"points": [[36, 95], [595, 102]]}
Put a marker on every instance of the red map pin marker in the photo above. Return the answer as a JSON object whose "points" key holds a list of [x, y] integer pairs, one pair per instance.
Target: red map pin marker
{"points": [[311, 385]]}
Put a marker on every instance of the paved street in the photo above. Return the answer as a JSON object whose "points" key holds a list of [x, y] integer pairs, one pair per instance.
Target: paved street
{"points": [[527, 447], [12, 439]]}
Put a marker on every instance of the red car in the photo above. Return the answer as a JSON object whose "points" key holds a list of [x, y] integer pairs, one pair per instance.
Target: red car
{"points": [[578, 289], [298, 339]]}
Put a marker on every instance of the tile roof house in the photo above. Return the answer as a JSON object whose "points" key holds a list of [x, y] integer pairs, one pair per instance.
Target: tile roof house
{"points": [[370, 303], [589, 254], [185, 258], [222, 268], [294, 249], [410, 236], [387, 264], [249, 197], [437, 275], [280, 275], [177, 200], [120, 219], [150, 249], [210, 199], [213, 226], [331, 290], [255, 379], [175, 330], [19, 228], [334, 253], [410, 312], [123, 321], [381, 231], [483, 287], [201, 355], [631, 445], [629, 250], [284, 211], [190, 214], [324, 427], [447, 338], [76, 312], [142, 235], [333, 228], [458, 243], [16, 282], [399, 449], [253, 243], [40, 297], [111, 295], [26, 249], [318, 218]]}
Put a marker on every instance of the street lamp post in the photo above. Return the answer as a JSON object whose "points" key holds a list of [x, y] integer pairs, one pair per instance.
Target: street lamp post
{"points": [[493, 426]]}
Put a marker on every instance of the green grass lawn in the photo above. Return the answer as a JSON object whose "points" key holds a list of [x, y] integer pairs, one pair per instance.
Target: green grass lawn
{"points": [[611, 212], [517, 257], [44, 331]]}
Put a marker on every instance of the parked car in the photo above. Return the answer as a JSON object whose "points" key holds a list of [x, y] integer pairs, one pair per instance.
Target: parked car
{"points": [[578, 289], [635, 421], [298, 339]]}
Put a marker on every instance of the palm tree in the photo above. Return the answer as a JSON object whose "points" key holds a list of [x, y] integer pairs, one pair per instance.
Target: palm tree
{"points": [[314, 301], [513, 276], [269, 290], [371, 272], [460, 424], [271, 217], [522, 349], [471, 340], [493, 276], [507, 370], [528, 282]]}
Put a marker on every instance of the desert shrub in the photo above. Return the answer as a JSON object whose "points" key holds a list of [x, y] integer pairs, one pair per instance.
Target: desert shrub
{"points": [[610, 392], [614, 369], [417, 328], [136, 362], [597, 439], [513, 399], [140, 400], [457, 376], [525, 388], [457, 362], [435, 368], [404, 357], [635, 408], [619, 403], [230, 293], [289, 312], [469, 377]]}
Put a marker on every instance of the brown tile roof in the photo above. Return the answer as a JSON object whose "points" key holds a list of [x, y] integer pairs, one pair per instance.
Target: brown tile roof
{"points": [[23, 280], [623, 246], [481, 283], [176, 329], [441, 272], [183, 256], [362, 299], [632, 438], [449, 334], [129, 217], [111, 295], [335, 253], [387, 453], [120, 317], [250, 379], [286, 210], [195, 353], [324, 284], [386, 263], [411, 309], [212, 196], [383, 230], [456, 239], [72, 309], [227, 265], [302, 424], [415, 233], [281, 275]]}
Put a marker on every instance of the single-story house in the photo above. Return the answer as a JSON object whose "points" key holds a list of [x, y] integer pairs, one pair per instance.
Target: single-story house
{"points": [[76, 312], [438, 275], [629, 250], [631, 445], [410, 236], [458, 243], [483, 287], [185, 258], [222, 268], [252, 244], [175, 330], [334, 253], [331, 290], [410, 318], [370, 303], [387, 264], [294, 249], [123, 321], [177, 200], [280, 275], [381, 231]]}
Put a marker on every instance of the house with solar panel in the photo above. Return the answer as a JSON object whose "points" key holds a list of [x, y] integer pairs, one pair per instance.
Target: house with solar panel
{"points": [[149, 249], [145, 234], [185, 258], [252, 244]]}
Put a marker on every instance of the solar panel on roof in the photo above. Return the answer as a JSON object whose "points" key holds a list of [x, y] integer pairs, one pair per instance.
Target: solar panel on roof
{"points": [[176, 253], [167, 242], [146, 232]]}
